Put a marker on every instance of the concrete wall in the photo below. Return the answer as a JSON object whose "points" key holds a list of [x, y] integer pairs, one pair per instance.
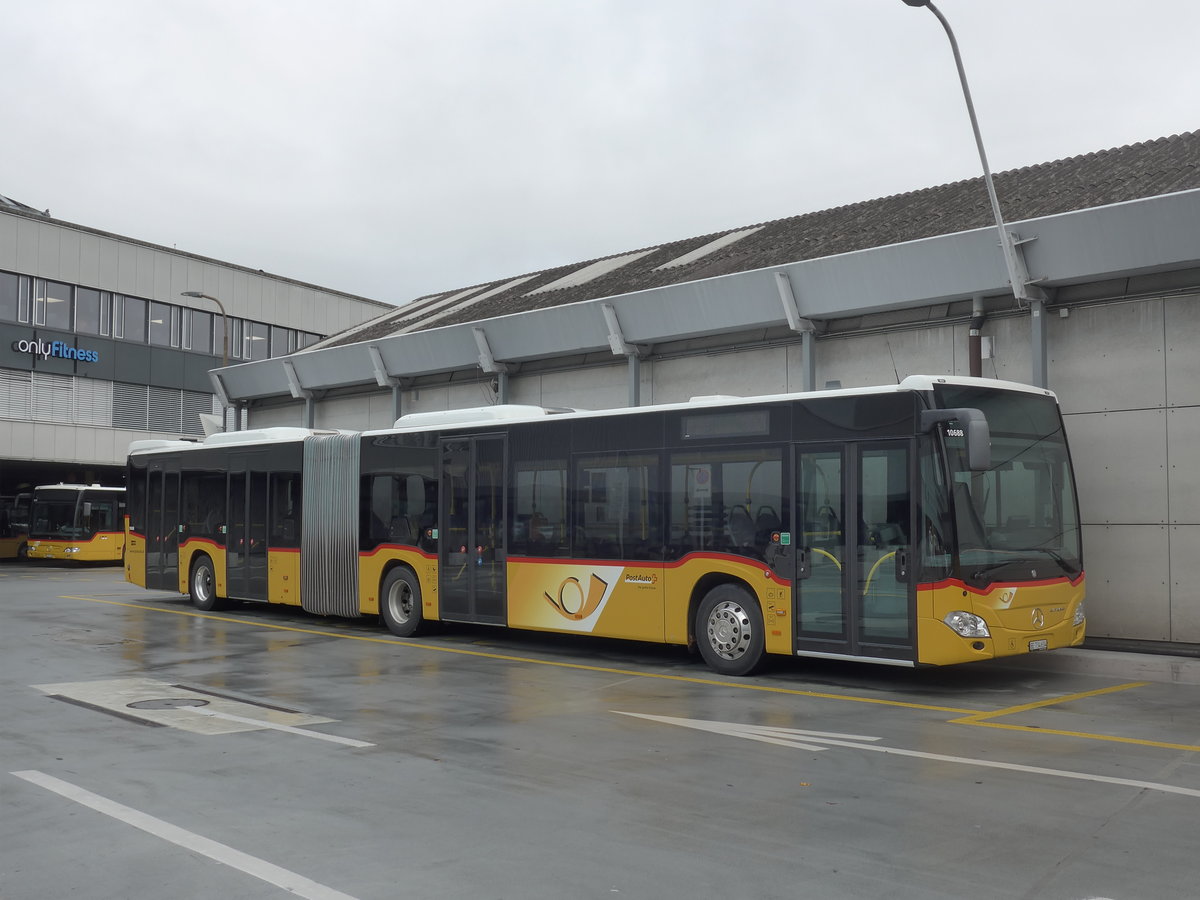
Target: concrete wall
{"points": [[79, 444], [1129, 382]]}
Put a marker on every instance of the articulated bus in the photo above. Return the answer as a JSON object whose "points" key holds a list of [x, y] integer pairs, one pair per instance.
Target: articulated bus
{"points": [[925, 523], [77, 523]]}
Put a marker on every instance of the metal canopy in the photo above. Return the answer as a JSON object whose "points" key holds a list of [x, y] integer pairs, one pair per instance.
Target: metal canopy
{"points": [[1154, 234]]}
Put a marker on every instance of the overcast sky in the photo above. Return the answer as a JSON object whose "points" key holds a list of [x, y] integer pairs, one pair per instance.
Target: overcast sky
{"points": [[396, 149]]}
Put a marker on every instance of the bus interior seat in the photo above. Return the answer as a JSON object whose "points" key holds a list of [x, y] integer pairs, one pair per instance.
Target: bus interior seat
{"points": [[766, 523], [741, 527]]}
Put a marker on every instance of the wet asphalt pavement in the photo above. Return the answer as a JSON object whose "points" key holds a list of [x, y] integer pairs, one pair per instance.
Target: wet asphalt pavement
{"points": [[151, 751]]}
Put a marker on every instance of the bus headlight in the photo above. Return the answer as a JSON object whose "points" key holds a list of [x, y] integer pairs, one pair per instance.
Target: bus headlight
{"points": [[967, 624], [1079, 614]]}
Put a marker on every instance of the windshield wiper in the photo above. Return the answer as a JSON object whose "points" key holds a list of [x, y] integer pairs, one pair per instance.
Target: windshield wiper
{"points": [[978, 574], [1058, 558], [992, 567]]}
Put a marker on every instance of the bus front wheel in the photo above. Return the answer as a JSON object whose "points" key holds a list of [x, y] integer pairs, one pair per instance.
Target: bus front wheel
{"points": [[729, 630], [203, 585], [400, 603]]}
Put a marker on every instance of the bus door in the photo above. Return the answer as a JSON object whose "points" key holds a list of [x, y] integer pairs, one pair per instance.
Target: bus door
{"points": [[162, 525], [853, 594], [246, 540], [472, 550]]}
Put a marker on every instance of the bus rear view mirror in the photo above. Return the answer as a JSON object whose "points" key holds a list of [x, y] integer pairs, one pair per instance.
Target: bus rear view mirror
{"points": [[972, 426]]}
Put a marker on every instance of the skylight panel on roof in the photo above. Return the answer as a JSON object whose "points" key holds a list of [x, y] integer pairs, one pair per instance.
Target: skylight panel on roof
{"points": [[711, 247], [341, 337], [592, 272], [437, 303], [447, 310]]}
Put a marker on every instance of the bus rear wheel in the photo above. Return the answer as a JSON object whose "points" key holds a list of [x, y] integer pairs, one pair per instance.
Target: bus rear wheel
{"points": [[729, 630], [400, 603], [202, 585]]}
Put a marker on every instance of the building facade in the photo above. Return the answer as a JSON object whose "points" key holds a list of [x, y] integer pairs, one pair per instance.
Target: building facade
{"points": [[859, 295], [98, 347]]}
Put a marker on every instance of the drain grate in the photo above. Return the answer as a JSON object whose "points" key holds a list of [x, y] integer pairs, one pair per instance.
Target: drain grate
{"points": [[167, 703]]}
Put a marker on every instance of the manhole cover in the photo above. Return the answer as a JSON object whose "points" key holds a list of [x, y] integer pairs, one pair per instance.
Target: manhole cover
{"points": [[167, 703]]}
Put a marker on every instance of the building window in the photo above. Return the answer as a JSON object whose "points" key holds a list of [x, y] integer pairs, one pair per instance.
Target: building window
{"points": [[134, 315], [129, 318], [198, 333], [283, 341], [52, 304], [87, 311], [14, 297], [93, 311], [257, 344], [160, 325], [306, 339]]}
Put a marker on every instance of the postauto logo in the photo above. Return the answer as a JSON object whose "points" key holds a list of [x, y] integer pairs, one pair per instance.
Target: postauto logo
{"points": [[58, 349]]}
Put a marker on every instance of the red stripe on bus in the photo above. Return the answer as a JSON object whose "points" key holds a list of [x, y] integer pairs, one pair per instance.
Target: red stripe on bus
{"points": [[959, 583]]}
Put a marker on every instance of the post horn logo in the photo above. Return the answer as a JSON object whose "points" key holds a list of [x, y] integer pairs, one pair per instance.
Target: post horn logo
{"points": [[573, 602]]}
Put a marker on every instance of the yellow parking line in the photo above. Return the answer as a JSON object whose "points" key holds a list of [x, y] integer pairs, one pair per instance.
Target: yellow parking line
{"points": [[1053, 701], [1033, 729], [744, 686], [980, 718]]}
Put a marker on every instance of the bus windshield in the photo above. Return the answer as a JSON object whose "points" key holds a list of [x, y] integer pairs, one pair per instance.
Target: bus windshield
{"points": [[73, 514], [53, 515], [1019, 520]]}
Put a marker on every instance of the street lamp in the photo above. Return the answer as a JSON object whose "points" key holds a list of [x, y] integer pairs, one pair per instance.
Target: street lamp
{"points": [[1022, 288], [224, 322], [224, 351]]}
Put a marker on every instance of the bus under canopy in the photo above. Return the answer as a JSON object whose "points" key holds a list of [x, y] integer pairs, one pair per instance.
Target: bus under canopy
{"points": [[925, 523], [77, 523]]}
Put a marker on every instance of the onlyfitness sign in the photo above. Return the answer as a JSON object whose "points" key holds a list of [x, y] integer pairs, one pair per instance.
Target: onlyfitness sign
{"points": [[58, 349]]}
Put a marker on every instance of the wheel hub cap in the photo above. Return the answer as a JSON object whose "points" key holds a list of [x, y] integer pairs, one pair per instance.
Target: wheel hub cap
{"points": [[729, 630]]}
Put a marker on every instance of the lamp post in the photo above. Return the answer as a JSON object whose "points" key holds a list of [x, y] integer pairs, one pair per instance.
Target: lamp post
{"points": [[224, 322], [1022, 288], [224, 351]]}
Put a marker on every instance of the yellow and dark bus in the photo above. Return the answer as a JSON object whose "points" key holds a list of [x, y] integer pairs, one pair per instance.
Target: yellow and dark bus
{"points": [[14, 525], [925, 523], [77, 523]]}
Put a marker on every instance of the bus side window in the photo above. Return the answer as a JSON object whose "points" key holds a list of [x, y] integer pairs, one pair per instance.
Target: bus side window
{"points": [[285, 509], [102, 516], [539, 526]]}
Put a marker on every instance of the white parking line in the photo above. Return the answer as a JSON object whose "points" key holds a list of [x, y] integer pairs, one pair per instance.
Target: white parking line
{"points": [[808, 740], [235, 859], [259, 723]]}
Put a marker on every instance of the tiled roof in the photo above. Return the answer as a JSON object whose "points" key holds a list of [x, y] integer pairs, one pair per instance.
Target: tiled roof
{"points": [[1147, 169]]}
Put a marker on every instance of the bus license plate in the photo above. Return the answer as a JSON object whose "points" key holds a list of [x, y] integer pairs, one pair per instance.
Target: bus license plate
{"points": [[1038, 645]]}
